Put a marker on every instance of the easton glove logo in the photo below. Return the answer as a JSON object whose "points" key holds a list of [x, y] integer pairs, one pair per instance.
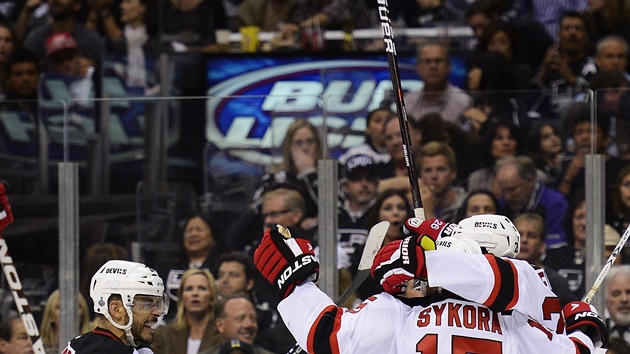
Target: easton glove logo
{"points": [[297, 265]]}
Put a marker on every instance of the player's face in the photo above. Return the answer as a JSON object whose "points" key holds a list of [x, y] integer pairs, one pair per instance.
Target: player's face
{"points": [[239, 322], [361, 188], [532, 245], [579, 223], [198, 236], [146, 311], [393, 210], [19, 343], [480, 204], [304, 140], [376, 127], [197, 295], [231, 279], [437, 174], [394, 141], [503, 144], [624, 190], [612, 57], [550, 141], [618, 299]]}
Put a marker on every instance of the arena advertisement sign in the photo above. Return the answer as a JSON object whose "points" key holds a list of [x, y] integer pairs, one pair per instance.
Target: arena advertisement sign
{"points": [[252, 101]]}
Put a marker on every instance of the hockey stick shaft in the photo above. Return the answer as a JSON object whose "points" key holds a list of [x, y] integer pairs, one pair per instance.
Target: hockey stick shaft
{"points": [[611, 260], [390, 48], [21, 302]]}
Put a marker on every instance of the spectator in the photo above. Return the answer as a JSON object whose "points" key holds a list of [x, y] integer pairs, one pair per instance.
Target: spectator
{"points": [[550, 13], [235, 318], [532, 248], [478, 201], [532, 37], [492, 83], [522, 191], [236, 346], [546, 147], [611, 54], [499, 138], [567, 64], [392, 206], [62, 55], [267, 15], [359, 191], [202, 245], [193, 329], [329, 14], [609, 17], [13, 337], [438, 171], [236, 273], [611, 239], [438, 94], [134, 44], [618, 301], [64, 19], [49, 328], [415, 14], [7, 46], [500, 37], [375, 144], [283, 206], [193, 22], [22, 81], [568, 260], [301, 148], [617, 345], [577, 119], [619, 218]]}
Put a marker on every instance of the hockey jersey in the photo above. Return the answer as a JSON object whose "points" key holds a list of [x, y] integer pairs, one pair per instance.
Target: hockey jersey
{"points": [[99, 341], [490, 305]]}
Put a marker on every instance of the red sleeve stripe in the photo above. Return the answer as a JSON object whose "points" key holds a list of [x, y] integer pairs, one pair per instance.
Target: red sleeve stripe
{"points": [[504, 294], [580, 348], [322, 338]]}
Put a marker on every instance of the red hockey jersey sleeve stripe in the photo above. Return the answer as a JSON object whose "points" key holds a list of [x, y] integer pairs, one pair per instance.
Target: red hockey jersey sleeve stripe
{"points": [[580, 348], [504, 294], [322, 338]]}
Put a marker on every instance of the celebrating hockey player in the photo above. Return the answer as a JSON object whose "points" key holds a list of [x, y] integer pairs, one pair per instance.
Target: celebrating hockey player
{"points": [[459, 312], [128, 297]]}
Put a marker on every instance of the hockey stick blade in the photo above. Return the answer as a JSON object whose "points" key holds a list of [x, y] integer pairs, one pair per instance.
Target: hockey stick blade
{"points": [[372, 245], [602, 275]]}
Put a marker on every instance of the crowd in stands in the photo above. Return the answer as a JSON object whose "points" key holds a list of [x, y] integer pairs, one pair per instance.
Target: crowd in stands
{"points": [[477, 149]]}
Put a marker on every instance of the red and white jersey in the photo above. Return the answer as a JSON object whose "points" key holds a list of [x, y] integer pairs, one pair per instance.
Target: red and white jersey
{"points": [[501, 284], [433, 325]]}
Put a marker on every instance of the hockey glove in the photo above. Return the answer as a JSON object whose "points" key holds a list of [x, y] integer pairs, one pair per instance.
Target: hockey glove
{"points": [[285, 261], [579, 315], [6, 216], [398, 262], [428, 231]]}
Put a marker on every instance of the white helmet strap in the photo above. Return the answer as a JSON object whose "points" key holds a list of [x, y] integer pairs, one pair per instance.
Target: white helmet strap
{"points": [[126, 328]]}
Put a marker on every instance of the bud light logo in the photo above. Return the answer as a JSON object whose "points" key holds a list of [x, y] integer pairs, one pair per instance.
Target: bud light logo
{"points": [[253, 104]]}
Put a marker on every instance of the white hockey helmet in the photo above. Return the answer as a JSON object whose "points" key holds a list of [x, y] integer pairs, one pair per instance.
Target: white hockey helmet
{"points": [[496, 233], [126, 279]]}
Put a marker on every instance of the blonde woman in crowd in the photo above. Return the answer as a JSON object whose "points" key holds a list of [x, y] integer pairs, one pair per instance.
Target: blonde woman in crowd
{"points": [[49, 329], [193, 329]]}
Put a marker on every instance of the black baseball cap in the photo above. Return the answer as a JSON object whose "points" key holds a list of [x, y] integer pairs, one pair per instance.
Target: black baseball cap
{"points": [[236, 346], [358, 163]]}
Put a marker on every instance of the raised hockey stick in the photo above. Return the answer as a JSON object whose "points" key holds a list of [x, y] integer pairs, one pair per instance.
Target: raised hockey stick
{"points": [[21, 302], [390, 48], [611, 260], [372, 245]]}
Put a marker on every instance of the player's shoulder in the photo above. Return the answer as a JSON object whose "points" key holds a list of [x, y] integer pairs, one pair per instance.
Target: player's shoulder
{"points": [[96, 343]]}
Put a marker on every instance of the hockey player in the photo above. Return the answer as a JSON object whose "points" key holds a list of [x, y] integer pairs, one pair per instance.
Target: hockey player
{"points": [[128, 297], [436, 322]]}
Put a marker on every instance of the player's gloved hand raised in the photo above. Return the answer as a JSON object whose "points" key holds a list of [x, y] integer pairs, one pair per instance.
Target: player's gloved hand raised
{"points": [[578, 315], [6, 216], [428, 231], [285, 261], [398, 262]]}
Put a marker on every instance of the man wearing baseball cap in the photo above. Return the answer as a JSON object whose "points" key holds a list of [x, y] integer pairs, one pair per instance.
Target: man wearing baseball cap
{"points": [[62, 54]]}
